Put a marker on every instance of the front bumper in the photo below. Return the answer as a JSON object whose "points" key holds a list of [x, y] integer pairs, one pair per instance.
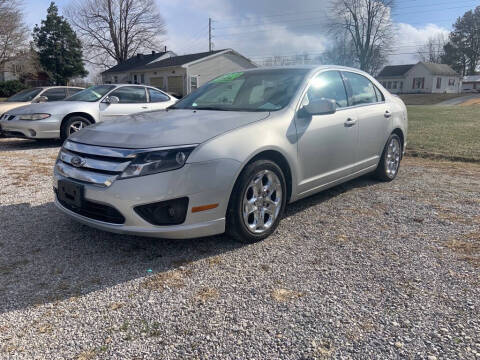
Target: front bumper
{"points": [[203, 183], [37, 129]]}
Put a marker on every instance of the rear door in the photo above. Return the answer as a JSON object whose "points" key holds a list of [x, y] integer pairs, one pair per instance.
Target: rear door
{"points": [[133, 99], [55, 94], [373, 118], [326, 143]]}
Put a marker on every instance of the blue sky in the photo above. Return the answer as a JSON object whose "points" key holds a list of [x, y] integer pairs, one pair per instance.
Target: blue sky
{"points": [[261, 28]]}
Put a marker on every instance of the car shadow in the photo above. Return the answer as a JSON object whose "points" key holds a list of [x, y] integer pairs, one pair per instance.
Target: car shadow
{"points": [[16, 144], [46, 257]]}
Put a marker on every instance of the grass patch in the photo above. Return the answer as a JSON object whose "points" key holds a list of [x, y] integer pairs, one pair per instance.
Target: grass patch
{"points": [[427, 99], [2, 99], [468, 248], [451, 132], [207, 293], [283, 295]]}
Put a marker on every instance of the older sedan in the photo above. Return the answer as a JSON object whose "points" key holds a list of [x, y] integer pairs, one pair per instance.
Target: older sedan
{"points": [[92, 105], [231, 155]]}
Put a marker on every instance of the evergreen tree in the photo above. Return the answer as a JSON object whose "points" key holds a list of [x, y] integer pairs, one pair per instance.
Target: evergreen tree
{"points": [[58, 47]]}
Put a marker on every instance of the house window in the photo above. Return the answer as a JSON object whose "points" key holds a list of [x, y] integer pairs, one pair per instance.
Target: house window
{"points": [[135, 79], [439, 82], [451, 82], [142, 78], [115, 79], [193, 83], [389, 84], [418, 83], [394, 85], [401, 85]]}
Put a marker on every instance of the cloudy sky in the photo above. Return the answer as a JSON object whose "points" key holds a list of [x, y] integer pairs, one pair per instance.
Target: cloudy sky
{"points": [[263, 28]]}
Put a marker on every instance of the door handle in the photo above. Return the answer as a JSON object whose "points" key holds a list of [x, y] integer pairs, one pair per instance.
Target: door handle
{"points": [[388, 114], [144, 107], [350, 122]]}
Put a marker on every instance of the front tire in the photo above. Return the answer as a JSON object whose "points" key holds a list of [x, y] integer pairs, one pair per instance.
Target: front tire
{"points": [[389, 164], [72, 125], [257, 202]]}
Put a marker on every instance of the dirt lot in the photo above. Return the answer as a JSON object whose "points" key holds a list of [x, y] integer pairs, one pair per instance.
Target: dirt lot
{"points": [[364, 270]]}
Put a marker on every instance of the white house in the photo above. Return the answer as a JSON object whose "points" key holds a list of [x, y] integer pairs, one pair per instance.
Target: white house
{"points": [[420, 78], [471, 83], [177, 74]]}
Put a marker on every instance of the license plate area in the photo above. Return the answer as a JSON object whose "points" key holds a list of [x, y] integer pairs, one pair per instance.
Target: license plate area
{"points": [[70, 193]]}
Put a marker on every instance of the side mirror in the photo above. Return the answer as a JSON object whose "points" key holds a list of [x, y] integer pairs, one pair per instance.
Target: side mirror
{"points": [[112, 100], [318, 107], [41, 99]]}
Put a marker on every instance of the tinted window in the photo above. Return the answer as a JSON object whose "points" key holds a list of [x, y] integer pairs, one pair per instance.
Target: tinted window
{"points": [[25, 95], [72, 91], [363, 91], [258, 90], [93, 93], [157, 96], [328, 85], [55, 94], [130, 94]]}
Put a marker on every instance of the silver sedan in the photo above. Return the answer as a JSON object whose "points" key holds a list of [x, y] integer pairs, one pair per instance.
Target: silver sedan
{"points": [[232, 154], [93, 105]]}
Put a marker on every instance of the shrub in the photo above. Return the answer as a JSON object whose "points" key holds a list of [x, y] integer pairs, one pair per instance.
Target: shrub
{"points": [[8, 88]]}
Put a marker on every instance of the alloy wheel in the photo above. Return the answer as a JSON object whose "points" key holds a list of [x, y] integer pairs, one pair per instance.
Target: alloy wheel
{"points": [[76, 126], [392, 160], [262, 202]]}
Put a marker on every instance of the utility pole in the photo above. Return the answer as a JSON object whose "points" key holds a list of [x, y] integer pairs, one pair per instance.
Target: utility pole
{"points": [[209, 34]]}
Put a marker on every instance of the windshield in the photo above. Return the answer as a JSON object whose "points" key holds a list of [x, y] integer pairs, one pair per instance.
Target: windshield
{"points": [[261, 90], [92, 94], [25, 95]]}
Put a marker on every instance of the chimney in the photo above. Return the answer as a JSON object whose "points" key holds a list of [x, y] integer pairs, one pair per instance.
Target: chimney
{"points": [[165, 48], [153, 52]]}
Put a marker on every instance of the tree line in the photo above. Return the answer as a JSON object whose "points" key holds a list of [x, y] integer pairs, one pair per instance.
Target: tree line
{"points": [[99, 32]]}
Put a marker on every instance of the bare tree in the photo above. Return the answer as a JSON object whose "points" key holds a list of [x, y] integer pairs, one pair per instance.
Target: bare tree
{"points": [[368, 26], [13, 32], [432, 51], [114, 30]]}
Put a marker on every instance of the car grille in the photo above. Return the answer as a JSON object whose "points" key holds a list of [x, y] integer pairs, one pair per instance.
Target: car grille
{"points": [[92, 164]]}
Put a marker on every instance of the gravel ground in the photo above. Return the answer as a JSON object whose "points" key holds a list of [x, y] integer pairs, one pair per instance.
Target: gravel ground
{"points": [[366, 270]]}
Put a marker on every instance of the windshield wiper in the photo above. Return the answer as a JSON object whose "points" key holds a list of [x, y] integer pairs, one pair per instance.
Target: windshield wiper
{"points": [[209, 108]]}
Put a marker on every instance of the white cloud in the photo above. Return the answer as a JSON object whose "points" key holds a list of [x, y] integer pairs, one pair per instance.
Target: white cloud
{"points": [[409, 39]]}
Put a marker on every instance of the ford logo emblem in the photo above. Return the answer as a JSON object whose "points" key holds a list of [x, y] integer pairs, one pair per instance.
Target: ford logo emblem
{"points": [[77, 161]]}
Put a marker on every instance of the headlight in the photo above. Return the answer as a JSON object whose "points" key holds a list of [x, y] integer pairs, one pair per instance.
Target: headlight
{"points": [[33, 116], [157, 161]]}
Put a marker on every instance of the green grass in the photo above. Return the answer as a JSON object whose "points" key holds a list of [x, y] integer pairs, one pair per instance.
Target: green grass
{"points": [[427, 99], [3, 99], [451, 132]]}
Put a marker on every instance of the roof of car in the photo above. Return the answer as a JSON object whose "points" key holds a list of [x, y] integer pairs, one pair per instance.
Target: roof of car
{"points": [[60, 86]]}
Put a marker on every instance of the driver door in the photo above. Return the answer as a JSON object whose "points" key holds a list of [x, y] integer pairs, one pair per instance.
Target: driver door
{"points": [[327, 144], [133, 99]]}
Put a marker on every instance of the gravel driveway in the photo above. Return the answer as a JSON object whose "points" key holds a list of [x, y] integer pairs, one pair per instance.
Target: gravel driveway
{"points": [[365, 270]]}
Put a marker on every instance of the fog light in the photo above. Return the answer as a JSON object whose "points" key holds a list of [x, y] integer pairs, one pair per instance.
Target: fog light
{"points": [[171, 212]]}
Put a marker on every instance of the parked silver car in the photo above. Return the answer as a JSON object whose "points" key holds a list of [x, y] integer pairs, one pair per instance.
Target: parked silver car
{"points": [[232, 154], [95, 104]]}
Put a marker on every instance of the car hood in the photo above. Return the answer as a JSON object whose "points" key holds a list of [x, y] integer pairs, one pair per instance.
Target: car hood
{"points": [[165, 128], [54, 107], [6, 106]]}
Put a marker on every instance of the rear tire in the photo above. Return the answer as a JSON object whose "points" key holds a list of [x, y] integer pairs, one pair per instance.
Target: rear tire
{"points": [[257, 202], [72, 125], [389, 164]]}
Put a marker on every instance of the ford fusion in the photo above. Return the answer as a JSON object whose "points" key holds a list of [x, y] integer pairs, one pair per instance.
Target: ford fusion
{"points": [[232, 154]]}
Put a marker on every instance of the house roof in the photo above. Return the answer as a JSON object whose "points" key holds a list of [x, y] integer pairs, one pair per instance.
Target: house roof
{"points": [[401, 70], [135, 61], [440, 69], [395, 70], [180, 60]]}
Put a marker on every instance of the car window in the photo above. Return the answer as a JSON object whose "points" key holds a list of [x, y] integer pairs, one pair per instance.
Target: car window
{"points": [[92, 94], [72, 91], [24, 95], [157, 96], [130, 94], [327, 85], [379, 94], [55, 94], [363, 91]]}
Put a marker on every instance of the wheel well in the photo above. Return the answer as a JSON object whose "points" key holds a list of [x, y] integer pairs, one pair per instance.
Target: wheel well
{"points": [[280, 160], [85, 115], [399, 132]]}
